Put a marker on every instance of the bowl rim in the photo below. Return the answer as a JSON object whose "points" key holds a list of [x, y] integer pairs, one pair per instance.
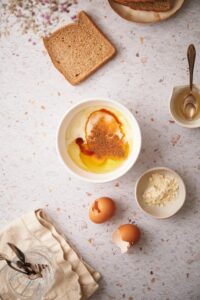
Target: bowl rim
{"points": [[115, 173], [151, 170], [182, 124]]}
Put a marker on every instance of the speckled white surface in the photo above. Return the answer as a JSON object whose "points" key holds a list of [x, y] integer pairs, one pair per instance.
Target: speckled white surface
{"points": [[34, 96]]}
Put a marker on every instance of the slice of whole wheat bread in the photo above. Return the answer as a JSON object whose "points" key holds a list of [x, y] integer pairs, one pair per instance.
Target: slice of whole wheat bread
{"points": [[79, 49], [157, 6]]}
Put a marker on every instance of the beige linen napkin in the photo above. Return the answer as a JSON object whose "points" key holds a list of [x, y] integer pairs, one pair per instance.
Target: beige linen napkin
{"points": [[74, 279]]}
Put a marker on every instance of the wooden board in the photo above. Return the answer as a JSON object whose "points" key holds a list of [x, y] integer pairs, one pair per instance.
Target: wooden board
{"points": [[139, 16]]}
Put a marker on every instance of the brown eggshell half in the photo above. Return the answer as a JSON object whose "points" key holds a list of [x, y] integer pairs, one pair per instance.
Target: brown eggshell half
{"points": [[102, 210], [129, 233]]}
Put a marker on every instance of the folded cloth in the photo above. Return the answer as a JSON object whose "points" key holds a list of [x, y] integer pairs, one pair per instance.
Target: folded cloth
{"points": [[74, 279]]}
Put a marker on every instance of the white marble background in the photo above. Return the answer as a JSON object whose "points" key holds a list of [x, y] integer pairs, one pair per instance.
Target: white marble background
{"points": [[34, 96]]}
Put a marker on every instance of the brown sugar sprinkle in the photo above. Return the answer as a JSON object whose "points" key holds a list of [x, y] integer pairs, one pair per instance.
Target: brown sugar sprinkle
{"points": [[175, 138], [104, 144], [102, 141], [37, 16]]}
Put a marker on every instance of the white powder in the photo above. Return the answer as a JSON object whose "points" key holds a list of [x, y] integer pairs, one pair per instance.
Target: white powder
{"points": [[161, 189]]}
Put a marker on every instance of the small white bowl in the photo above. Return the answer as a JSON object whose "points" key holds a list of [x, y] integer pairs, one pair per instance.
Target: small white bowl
{"points": [[182, 91], [89, 176], [172, 207]]}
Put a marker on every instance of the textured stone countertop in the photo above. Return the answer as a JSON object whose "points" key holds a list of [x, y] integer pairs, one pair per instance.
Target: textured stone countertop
{"points": [[151, 59]]}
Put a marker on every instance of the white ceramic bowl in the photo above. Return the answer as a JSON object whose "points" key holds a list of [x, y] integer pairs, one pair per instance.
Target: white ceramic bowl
{"points": [[89, 176], [172, 207], [183, 90]]}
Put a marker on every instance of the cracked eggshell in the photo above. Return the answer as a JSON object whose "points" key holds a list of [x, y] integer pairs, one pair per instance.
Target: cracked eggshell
{"points": [[126, 236], [102, 210], [116, 239]]}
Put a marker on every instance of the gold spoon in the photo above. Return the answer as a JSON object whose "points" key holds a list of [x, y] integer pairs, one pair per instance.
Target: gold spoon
{"points": [[190, 102]]}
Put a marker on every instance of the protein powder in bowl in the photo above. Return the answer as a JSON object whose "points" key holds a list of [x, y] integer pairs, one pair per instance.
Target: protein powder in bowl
{"points": [[160, 192]]}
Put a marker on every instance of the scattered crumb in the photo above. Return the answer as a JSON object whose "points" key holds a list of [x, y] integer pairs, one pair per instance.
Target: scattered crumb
{"points": [[58, 209], [137, 54], [171, 121], [175, 139], [91, 241], [152, 119], [88, 194], [144, 60], [117, 184], [43, 107], [84, 225], [187, 275], [153, 280], [74, 17], [26, 113], [151, 272], [142, 40]]}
